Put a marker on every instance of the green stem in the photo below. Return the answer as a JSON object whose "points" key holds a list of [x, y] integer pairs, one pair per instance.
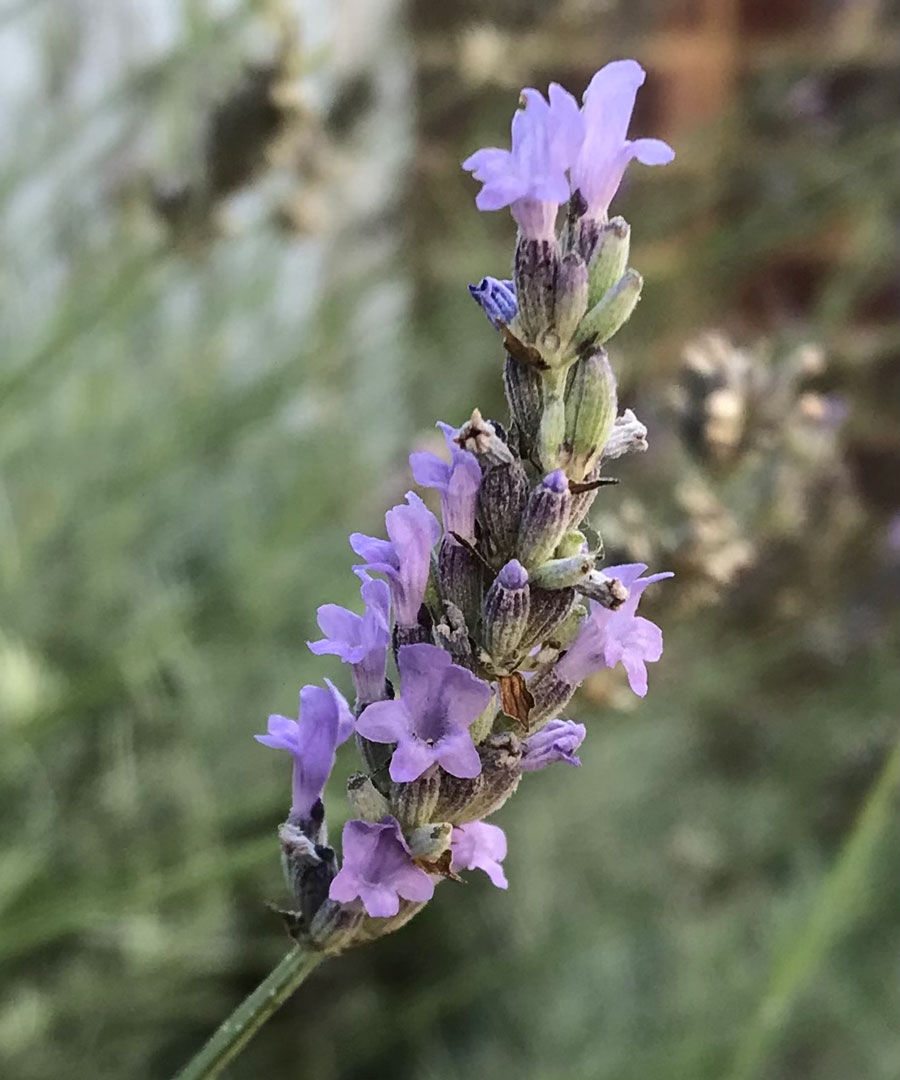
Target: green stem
{"points": [[838, 902], [235, 1032]]}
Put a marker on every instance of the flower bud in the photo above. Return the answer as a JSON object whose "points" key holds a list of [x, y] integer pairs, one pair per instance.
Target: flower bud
{"points": [[370, 929], [482, 725], [590, 413], [501, 503], [607, 591], [506, 613], [551, 694], [430, 841], [562, 573], [308, 869], [574, 542], [571, 298], [545, 520], [376, 758], [459, 574], [612, 311], [536, 270], [609, 257], [549, 607], [497, 299], [366, 801], [462, 800], [334, 926], [413, 804], [525, 396]]}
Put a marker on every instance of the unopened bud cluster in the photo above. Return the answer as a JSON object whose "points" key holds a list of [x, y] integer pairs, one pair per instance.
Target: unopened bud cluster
{"points": [[492, 617]]}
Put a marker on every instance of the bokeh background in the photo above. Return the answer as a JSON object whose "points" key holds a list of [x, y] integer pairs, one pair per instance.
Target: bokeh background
{"points": [[236, 241]]}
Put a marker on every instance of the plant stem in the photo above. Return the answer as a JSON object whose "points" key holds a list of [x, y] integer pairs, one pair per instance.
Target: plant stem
{"points": [[235, 1032], [838, 903]]}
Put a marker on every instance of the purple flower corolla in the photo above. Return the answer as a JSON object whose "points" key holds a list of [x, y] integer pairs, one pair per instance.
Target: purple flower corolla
{"points": [[531, 177], [430, 719], [607, 638], [359, 640], [325, 722], [606, 150], [556, 741], [479, 846], [405, 559], [497, 299], [458, 482], [378, 869]]}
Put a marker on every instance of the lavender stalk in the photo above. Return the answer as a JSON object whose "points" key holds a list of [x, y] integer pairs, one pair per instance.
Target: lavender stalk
{"points": [[495, 615]]}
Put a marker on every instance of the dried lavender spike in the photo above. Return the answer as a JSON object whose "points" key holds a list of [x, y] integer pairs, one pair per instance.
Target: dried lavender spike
{"points": [[308, 868]]}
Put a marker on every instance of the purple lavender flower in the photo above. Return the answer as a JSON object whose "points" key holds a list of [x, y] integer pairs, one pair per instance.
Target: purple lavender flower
{"points": [[606, 151], [497, 299], [531, 178], [556, 741], [359, 640], [607, 638], [458, 482], [479, 846], [378, 868], [405, 559], [430, 720], [325, 722]]}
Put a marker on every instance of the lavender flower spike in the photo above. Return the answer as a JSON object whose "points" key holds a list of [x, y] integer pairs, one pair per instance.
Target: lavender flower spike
{"points": [[497, 299], [378, 869], [607, 638], [430, 720], [359, 640], [606, 151], [531, 178], [457, 482], [405, 558], [479, 846], [556, 741], [325, 722]]}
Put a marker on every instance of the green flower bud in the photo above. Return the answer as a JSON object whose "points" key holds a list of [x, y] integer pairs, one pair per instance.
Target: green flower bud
{"points": [[590, 413], [571, 300], [562, 573], [573, 543], [609, 258], [611, 313], [366, 801]]}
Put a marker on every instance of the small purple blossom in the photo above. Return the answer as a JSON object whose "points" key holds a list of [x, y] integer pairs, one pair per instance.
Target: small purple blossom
{"points": [[378, 869], [430, 719], [531, 177], [497, 299], [607, 638], [479, 846], [325, 722], [405, 559], [359, 640], [458, 482], [606, 150], [556, 741]]}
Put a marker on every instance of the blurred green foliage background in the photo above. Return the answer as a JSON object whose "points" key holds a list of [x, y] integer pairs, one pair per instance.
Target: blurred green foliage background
{"points": [[236, 242]]}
